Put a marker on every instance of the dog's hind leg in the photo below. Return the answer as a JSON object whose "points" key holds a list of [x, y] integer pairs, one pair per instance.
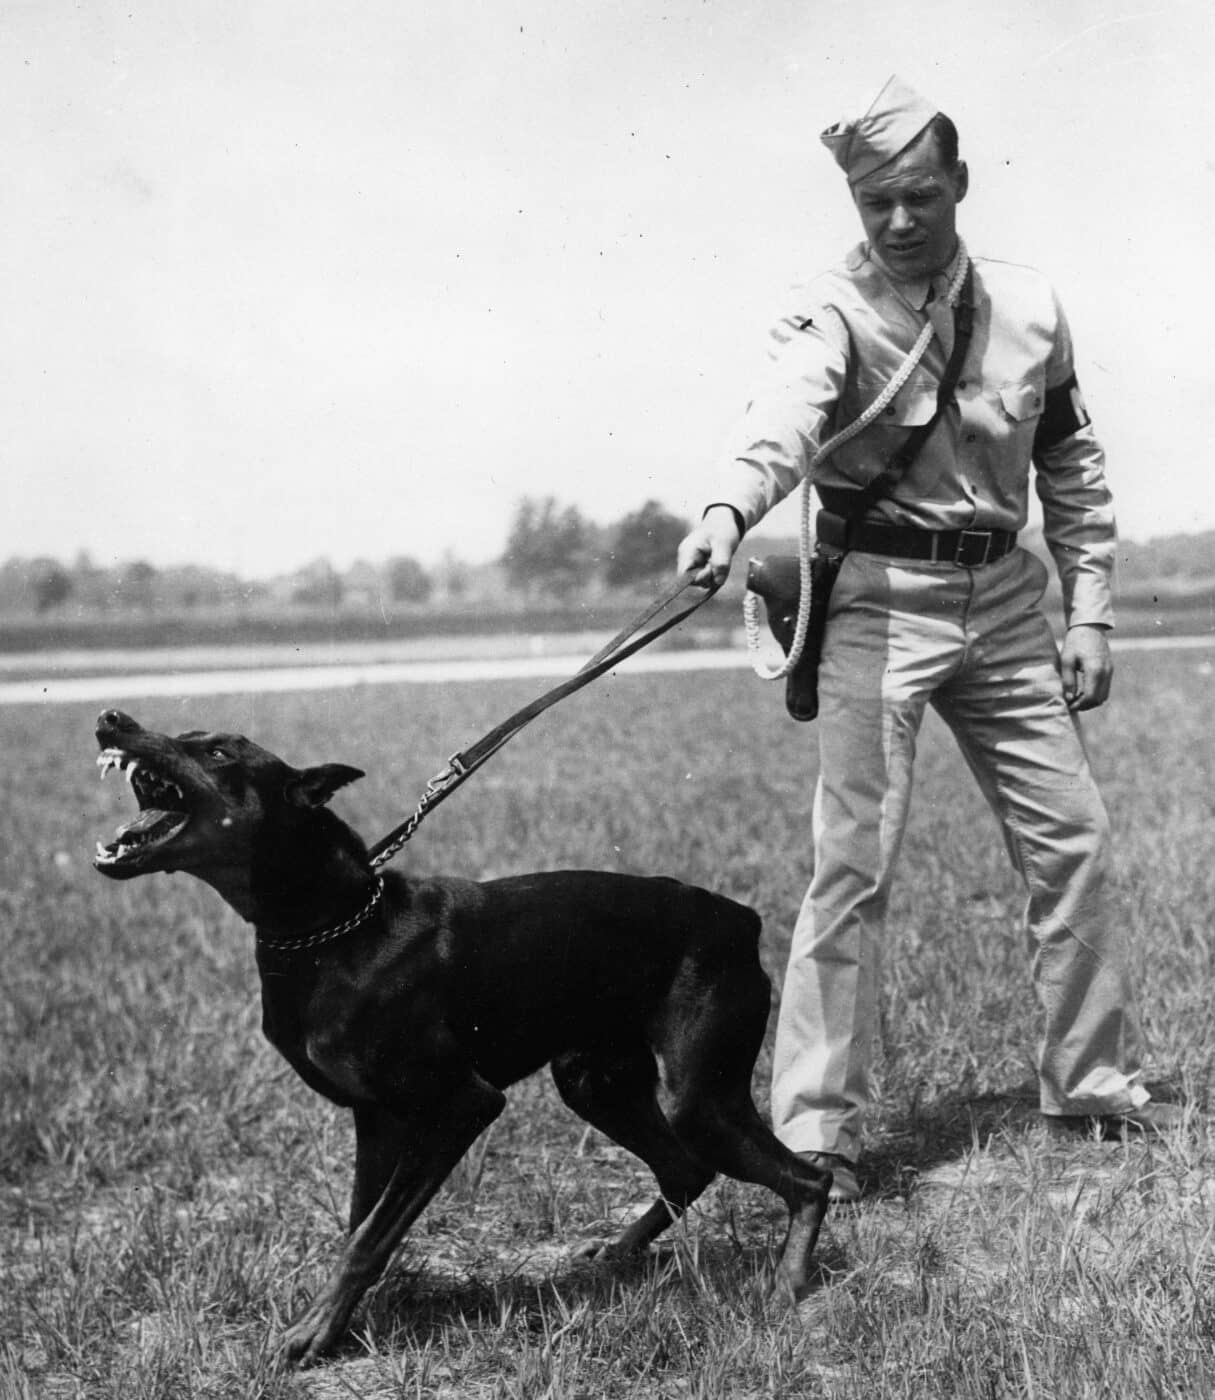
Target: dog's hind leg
{"points": [[615, 1092], [708, 1046], [434, 1133]]}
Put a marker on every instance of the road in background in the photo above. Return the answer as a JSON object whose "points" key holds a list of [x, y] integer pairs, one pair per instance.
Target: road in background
{"points": [[118, 685]]}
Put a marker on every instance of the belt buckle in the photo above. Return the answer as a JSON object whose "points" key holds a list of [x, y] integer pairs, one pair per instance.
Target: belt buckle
{"points": [[968, 540]]}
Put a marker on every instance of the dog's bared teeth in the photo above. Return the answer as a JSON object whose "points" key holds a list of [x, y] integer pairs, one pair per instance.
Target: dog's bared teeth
{"points": [[130, 769]]}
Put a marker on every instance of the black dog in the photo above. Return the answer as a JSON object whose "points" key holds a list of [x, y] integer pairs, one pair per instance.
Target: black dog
{"points": [[415, 1003]]}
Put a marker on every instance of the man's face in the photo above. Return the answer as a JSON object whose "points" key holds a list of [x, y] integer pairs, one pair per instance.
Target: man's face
{"points": [[909, 210]]}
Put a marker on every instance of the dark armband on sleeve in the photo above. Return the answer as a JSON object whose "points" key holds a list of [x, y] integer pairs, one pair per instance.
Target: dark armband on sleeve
{"points": [[1063, 414]]}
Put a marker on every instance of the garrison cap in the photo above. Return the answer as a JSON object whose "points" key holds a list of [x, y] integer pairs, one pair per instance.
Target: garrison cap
{"points": [[896, 116]]}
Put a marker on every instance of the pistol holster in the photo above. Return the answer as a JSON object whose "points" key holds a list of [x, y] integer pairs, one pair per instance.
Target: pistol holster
{"points": [[777, 580]]}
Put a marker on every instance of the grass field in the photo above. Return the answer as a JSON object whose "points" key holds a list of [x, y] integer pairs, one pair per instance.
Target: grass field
{"points": [[170, 1193]]}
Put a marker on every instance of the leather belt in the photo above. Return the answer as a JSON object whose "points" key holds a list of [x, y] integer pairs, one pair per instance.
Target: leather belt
{"points": [[969, 549]]}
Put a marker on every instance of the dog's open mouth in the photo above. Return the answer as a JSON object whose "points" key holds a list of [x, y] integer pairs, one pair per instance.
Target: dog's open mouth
{"points": [[163, 813]]}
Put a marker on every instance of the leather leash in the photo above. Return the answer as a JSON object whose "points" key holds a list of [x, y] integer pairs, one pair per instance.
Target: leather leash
{"points": [[461, 766]]}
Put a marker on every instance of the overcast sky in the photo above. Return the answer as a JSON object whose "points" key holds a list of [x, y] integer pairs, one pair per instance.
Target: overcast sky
{"points": [[284, 279]]}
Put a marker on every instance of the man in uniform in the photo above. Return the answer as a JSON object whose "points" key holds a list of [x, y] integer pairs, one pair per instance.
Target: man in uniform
{"points": [[936, 604]]}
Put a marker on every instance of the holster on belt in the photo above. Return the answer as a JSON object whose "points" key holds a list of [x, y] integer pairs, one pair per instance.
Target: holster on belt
{"points": [[777, 580]]}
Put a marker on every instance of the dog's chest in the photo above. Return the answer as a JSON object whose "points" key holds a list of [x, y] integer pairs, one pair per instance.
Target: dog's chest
{"points": [[343, 1072], [316, 1048]]}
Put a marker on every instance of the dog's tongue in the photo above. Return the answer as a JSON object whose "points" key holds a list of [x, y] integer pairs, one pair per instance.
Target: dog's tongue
{"points": [[147, 823]]}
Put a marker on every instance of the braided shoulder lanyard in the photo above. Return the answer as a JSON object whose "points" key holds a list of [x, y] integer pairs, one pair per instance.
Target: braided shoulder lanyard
{"points": [[884, 481]]}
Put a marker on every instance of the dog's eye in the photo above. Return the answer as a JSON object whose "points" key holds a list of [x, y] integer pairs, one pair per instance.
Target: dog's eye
{"points": [[218, 753]]}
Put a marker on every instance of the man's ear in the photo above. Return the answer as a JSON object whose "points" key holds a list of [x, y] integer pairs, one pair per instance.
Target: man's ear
{"points": [[961, 180], [313, 787]]}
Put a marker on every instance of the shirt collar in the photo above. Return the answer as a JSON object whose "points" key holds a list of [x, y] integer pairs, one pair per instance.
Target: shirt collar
{"points": [[916, 293]]}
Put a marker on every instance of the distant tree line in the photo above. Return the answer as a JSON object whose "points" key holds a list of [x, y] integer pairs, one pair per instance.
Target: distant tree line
{"points": [[552, 550], [554, 547]]}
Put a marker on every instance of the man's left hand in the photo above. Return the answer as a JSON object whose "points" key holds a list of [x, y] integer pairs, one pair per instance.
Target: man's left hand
{"points": [[1087, 667]]}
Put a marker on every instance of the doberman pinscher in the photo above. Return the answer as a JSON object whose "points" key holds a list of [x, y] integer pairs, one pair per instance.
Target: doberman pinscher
{"points": [[416, 1002]]}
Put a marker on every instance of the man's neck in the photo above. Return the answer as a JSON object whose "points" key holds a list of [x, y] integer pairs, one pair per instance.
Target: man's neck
{"points": [[915, 289], [924, 279]]}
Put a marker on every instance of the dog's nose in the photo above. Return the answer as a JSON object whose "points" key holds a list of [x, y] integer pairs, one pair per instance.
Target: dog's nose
{"points": [[111, 720]]}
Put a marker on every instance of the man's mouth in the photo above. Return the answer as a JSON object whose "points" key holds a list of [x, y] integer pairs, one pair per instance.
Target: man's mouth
{"points": [[163, 813]]}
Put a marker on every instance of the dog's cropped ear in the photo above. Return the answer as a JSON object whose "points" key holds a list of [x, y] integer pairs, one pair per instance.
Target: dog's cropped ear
{"points": [[313, 787]]}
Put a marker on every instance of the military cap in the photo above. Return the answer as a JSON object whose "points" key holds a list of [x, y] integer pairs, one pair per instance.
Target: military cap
{"points": [[896, 116]]}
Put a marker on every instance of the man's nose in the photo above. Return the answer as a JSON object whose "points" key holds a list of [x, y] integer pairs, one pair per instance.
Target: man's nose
{"points": [[900, 218]]}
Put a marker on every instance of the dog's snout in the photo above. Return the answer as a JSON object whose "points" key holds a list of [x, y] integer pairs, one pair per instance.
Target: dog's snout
{"points": [[113, 721]]}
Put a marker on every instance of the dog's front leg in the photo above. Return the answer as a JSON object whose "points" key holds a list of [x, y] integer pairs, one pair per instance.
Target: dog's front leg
{"points": [[379, 1144], [435, 1140]]}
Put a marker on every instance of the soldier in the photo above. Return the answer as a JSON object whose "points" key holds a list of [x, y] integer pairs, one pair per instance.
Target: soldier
{"points": [[935, 603]]}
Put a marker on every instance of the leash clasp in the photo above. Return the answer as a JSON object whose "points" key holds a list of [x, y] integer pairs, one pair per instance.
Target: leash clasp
{"points": [[455, 769]]}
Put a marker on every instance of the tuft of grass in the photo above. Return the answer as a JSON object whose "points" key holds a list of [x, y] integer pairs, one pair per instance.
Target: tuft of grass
{"points": [[170, 1194]]}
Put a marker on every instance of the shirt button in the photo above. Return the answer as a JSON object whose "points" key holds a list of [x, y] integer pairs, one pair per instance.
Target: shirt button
{"points": [[971, 437], [961, 384]]}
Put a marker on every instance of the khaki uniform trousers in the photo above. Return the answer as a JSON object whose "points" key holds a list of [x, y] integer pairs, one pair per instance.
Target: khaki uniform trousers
{"points": [[975, 645]]}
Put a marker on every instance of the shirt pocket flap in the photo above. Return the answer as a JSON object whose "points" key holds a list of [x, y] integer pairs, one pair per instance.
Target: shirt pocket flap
{"points": [[915, 403], [1022, 400]]}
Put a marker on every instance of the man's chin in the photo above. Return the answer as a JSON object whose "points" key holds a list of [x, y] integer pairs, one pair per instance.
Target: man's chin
{"points": [[911, 264]]}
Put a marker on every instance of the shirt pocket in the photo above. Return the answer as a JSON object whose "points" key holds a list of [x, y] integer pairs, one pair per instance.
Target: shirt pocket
{"points": [[913, 405], [1022, 399]]}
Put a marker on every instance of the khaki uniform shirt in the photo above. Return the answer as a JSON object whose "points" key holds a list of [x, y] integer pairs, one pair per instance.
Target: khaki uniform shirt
{"points": [[841, 340]]}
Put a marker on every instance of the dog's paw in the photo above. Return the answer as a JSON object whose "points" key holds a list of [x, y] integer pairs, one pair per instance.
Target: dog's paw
{"points": [[306, 1341], [609, 1252], [590, 1251], [296, 1350], [787, 1289], [605, 1252]]}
